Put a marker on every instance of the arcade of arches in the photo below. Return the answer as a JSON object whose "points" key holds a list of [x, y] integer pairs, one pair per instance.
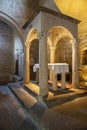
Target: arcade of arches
{"points": [[59, 48]]}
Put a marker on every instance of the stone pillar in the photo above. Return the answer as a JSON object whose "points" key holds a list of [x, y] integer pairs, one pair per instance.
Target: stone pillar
{"points": [[54, 79], [27, 64], [43, 62], [52, 60], [75, 75]]}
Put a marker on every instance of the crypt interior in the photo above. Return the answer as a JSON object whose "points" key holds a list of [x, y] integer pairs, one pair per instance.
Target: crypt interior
{"points": [[43, 46], [14, 36]]}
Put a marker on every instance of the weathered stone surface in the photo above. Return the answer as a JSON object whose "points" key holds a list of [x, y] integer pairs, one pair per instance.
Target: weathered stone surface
{"points": [[83, 60], [19, 10], [6, 53]]}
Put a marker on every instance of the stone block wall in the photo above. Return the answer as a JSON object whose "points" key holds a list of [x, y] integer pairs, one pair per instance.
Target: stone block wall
{"points": [[6, 53], [64, 53], [83, 59]]}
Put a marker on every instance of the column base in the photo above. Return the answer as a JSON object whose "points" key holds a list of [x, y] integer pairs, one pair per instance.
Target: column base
{"points": [[42, 99]]}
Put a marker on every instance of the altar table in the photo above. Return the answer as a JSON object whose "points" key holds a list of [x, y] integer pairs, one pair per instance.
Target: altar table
{"points": [[55, 68]]}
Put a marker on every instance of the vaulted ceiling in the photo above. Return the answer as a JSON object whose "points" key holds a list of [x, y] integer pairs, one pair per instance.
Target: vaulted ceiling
{"points": [[76, 9]]}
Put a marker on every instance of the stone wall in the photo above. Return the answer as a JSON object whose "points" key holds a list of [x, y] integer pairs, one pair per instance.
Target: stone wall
{"points": [[83, 60], [82, 48], [64, 52], [6, 53]]}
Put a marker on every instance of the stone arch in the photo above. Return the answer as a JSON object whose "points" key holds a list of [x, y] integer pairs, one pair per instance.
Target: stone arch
{"points": [[54, 35], [32, 35], [12, 23]]}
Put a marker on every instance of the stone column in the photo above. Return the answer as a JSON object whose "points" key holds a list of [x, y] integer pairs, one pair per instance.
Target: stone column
{"points": [[53, 77], [52, 60], [26, 64], [52, 54], [43, 62], [75, 75]]}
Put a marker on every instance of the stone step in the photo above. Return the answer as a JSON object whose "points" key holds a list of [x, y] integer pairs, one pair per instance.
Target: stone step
{"points": [[29, 102], [56, 97], [36, 109], [32, 88]]}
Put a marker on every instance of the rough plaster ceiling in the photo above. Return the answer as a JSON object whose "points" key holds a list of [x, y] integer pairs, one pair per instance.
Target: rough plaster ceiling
{"points": [[76, 9]]}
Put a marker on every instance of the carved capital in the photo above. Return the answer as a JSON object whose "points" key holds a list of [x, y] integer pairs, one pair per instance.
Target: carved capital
{"points": [[53, 47], [52, 41], [73, 41], [27, 44]]}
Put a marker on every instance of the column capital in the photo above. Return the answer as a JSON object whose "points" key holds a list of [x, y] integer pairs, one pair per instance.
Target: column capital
{"points": [[52, 42], [53, 47], [73, 41], [27, 44]]}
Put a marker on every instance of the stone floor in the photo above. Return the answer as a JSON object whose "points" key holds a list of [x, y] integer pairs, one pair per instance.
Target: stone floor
{"points": [[19, 110], [76, 108], [12, 114]]}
